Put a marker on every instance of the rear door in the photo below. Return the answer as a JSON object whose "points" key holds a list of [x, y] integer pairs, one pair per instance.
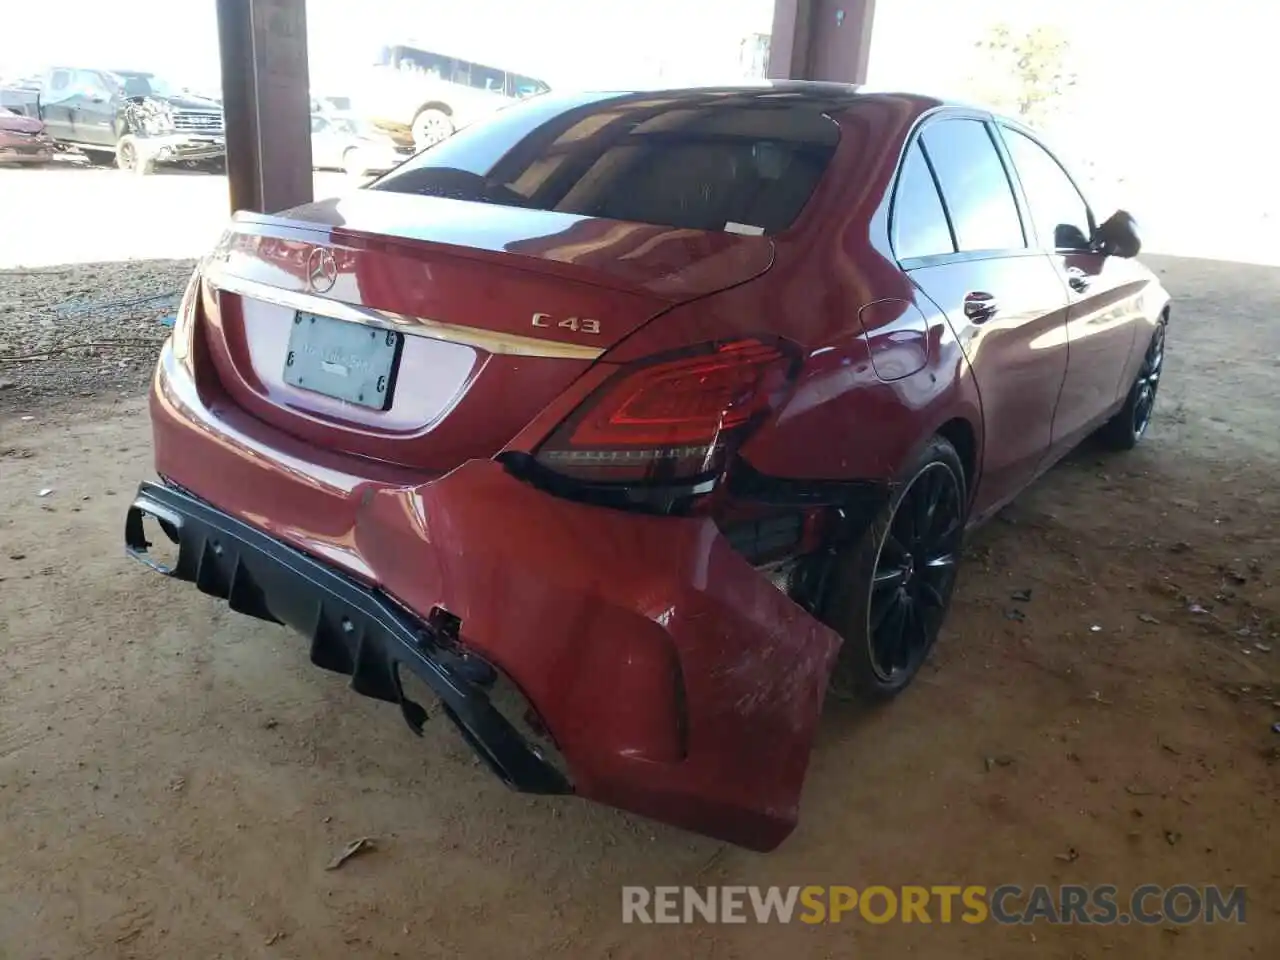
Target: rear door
{"points": [[94, 110], [1005, 300], [471, 93], [1101, 319], [56, 104]]}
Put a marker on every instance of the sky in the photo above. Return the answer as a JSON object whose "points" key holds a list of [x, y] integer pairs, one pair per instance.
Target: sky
{"points": [[557, 40], [1160, 82], [1135, 48]]}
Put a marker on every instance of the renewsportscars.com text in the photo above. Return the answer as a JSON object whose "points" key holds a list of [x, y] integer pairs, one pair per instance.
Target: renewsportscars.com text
{"points": [[1148, 904]]}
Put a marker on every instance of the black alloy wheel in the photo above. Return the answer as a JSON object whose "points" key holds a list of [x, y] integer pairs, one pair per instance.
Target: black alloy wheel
{"points": [[1148, 383], [890, 592], [914, 572], [1129, 425]]}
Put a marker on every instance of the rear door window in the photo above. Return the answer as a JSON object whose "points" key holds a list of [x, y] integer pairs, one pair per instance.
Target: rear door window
{"points": [[975, 186], [920, 226], [426, 63], [521, 87], [487, 78], [744, 164], [88, 83]]}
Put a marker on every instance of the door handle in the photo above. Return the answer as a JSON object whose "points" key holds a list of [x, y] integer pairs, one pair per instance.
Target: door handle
{"points": [[980, 307], [1077, 279]]}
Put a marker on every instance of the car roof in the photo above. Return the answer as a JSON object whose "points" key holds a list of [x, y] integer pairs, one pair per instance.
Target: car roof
{"points": [[821, 91], [831, 97], [119, 73]]}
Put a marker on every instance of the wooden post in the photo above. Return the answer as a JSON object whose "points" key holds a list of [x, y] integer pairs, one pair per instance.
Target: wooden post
{"points": [[821, 40], [266, 102]]}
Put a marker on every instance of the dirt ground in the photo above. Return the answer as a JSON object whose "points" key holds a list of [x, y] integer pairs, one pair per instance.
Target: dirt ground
{"points": [[174, 778]]}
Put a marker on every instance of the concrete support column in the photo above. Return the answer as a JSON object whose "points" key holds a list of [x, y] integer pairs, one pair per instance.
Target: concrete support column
{"points": [[821, 40], [266, 102]]}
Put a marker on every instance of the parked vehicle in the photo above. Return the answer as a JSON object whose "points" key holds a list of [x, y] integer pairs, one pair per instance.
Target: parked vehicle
{"points": [[347, 143], [633, 423], [23, 140], [328, 105], [434, 94], [136, 118]]}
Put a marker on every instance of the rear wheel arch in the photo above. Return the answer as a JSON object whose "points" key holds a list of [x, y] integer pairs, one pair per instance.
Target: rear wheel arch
{"points": [[434, 105], [960, 426], [960, 433], [349, 158]]}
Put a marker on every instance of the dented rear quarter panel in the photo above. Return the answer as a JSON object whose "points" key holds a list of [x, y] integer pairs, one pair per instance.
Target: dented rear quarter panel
{"points": [[836, 291]]}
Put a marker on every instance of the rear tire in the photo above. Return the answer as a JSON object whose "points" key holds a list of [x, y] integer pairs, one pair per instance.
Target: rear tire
{"points": [[890, 592], [1129, 425], [351, 164], [431, 126]]}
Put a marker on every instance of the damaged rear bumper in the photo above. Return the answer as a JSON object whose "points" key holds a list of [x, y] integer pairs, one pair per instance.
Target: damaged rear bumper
{"points": [[16, 147], [353, 630], [673, 679]]}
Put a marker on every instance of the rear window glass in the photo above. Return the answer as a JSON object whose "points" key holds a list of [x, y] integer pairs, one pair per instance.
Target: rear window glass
{"points": [[920, 226], [745, 163], [974, 185], [526, 86]]}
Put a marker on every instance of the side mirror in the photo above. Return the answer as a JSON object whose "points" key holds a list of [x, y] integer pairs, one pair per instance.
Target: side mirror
{"points": [[1118, 236]]}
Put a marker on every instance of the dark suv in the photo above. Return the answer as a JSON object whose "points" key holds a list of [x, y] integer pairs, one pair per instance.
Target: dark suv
{"points": [[135, 117]]}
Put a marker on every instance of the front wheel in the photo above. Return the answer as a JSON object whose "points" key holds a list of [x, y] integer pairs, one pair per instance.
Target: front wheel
{"points": [[1129, 425], [890, 592], [129, 157]]}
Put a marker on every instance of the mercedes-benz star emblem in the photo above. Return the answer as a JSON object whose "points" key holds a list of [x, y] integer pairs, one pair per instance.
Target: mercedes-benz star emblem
{"points": [[322, 270]]}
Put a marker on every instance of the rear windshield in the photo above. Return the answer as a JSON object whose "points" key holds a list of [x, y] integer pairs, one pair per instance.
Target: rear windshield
{"points": [[144, 85], [742, 162]]}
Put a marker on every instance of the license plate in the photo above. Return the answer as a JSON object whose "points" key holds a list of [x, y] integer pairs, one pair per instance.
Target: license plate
{"points": [[346, 361]]}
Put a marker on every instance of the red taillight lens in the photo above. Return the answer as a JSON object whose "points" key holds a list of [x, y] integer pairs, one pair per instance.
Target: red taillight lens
{"points": [[673, 418], [184, 319]]}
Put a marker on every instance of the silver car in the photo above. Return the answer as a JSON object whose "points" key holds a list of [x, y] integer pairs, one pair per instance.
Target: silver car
{"points": [[347, 143]]}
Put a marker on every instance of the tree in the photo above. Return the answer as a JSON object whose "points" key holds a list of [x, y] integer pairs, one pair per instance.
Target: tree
{"points": [[1027, 74]]}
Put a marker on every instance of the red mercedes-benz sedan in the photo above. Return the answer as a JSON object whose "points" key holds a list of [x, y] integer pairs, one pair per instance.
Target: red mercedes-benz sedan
{"points": [[636, 423], [23, 139]]}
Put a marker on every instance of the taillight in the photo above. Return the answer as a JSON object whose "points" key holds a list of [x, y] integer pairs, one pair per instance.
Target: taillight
{"points": [[672, 418], [184, 320]]}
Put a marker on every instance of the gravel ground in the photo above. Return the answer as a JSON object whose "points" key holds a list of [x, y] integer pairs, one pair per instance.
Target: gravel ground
{"points": [[83, 305], [84, 329], [175, 777]]}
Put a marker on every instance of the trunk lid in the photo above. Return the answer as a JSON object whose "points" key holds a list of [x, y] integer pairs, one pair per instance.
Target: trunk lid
{"points": [[478, 316], [15, 123]]}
